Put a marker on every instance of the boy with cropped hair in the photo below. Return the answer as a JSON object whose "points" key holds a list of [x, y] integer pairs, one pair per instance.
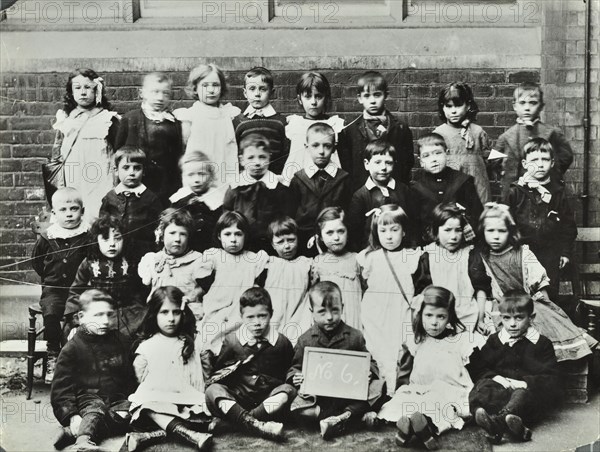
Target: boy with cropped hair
{"points": [[248, 385], [515, 373], [136, 206], [437, 183], [528, 102], [335, 416], [260, 116], [93, 377], [377, 123], [540, 206], [56, 256], [380, 188], [257, 192]]}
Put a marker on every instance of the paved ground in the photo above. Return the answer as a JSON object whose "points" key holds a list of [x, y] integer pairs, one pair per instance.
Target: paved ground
{"points": [[29, 425]]}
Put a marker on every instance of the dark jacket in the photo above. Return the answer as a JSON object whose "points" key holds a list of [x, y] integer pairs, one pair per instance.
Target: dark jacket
{"points": [[57, 261], [533, 363], [514, 139], [205, 220], [543, 224], [344, 338], [272, 128], [163, 144], [307, 200], [449, 185], [364, 200], [91, 364], [260, 205], [262, 374], [359, 134], [138, 215]]}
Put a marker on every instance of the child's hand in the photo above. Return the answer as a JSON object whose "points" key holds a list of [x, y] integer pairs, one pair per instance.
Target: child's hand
{"points": [[563, 262], [75, 422], [297, 379], [502, 381], [517, 384]]}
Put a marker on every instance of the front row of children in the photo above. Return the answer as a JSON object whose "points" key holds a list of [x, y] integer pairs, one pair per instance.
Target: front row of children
{"points": [[506, 382]]}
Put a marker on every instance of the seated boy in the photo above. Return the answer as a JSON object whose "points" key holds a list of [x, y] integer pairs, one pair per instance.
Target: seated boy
{"points": [[377, 123], [248, 387], [528, 102], [257, 193], [93, 376], [260, 117], [516, 375], [329, 331], [381, 188], [131, 201], [436, 183], [56, 257], [321, 184], [541, 209]]}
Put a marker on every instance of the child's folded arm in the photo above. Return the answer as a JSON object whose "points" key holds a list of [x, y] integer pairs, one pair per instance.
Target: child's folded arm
{"points": [[297, 360], [563, 154]]}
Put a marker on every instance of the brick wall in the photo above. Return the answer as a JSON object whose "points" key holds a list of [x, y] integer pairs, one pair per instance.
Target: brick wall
{"points": [[562, 76], [32, 100]]}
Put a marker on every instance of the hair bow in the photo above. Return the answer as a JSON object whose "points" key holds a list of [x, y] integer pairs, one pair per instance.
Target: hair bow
{"points": [[99, 87], [314, 241], [468, 233], [501, 208], [375, 212]]}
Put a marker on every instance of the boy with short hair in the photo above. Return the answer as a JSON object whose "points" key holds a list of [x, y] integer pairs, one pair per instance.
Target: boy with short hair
{"points": [[320, 184], [93, 376], [377, 123], [516, 375], [541, 209], [136, 206], [56, 257], [248, 387], [153, 129], [257, 193], [436, 183], [381, 188], [528, 102], [260, 116], [329, 331]]}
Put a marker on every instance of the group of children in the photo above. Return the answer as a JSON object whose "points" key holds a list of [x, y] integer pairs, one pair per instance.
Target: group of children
{"points": [[230, 241]]}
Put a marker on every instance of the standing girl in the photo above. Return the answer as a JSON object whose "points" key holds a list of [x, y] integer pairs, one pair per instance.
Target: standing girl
{"points": [[86, 133], [468, 144], [234, 270], [111, 266], [503, 264], [287, 281], [439, 383], [337, 264], [168, 369], [388, 269], [313, 94], [445, 263], [207, 125], [176, 264]]}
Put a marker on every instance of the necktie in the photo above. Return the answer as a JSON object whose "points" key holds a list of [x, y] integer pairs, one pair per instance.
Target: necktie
{"points": [[322, 177]]}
